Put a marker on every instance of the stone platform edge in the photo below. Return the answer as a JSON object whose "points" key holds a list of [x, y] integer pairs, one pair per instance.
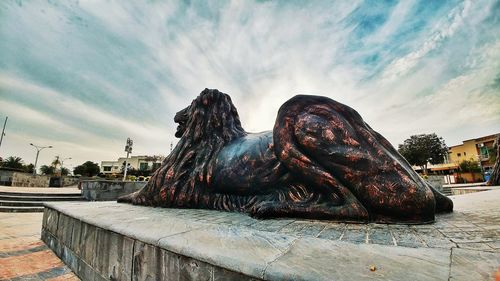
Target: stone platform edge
{"points": [[96, 253], [111, 241]]}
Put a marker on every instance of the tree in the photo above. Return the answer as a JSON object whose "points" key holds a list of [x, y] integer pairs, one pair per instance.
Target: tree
{"points": [[47, 170], [88, 169], [136, 172], [13, 162], [469, 166], [56, 162], [64, 171], [422, 149], [492, 152], [28, 168]]}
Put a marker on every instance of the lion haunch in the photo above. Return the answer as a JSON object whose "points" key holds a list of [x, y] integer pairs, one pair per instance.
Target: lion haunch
{"points": [[321, 161]]}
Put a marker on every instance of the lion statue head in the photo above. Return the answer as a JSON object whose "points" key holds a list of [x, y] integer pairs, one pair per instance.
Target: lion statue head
{"points": [[204, 128], [211, 114]]}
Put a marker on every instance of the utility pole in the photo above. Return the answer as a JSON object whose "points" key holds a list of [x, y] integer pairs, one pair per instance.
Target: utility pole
{"points": [[38, 149], [3, 130], [128, 149]]}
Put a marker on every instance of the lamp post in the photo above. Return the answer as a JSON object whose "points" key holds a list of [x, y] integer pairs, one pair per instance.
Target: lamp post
{"points": [[128, 149], [62, 163], [3, 130], [38, 149]]}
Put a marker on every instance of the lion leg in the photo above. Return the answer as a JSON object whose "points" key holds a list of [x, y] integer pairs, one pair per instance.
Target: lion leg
{"points": [[443, 203], [309, 171], [350, 210]]}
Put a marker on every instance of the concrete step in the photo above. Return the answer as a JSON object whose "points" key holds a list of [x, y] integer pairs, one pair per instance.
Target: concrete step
{"points": [[23, 203], [29, 202], [35, 197], [12, 209], [32, 194], [446, 191]]}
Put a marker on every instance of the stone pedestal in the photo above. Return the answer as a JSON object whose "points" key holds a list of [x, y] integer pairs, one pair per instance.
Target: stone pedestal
{"points": [[111, 241], [105, 190]]}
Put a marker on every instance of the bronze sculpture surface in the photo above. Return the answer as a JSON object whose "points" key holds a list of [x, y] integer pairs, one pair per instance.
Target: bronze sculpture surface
{"points": [[321, 161]]}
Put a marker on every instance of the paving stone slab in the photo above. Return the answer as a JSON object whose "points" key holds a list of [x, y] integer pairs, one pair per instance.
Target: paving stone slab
{"points": [[469, 265], [114, 255], [317, 259], [332, 232], [146, 262], [355, 234], [141, 228], [238, 249], [380, 236], [88, 243]]}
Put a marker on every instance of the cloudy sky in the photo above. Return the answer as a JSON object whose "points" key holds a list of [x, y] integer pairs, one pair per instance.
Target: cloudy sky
{"points": [[83, 76]]}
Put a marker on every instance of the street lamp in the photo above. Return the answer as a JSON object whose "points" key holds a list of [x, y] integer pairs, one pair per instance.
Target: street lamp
{"points": [[128, 149], [62, 163], [38, 149]]}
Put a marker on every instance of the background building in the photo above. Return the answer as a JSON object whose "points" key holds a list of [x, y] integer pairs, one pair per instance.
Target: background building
{"points": [[477, 149], [141, 163]]}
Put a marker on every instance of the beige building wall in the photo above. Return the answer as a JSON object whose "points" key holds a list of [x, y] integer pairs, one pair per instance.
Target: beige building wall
{"points": [[465, 151], [475, 149], [136, 162]]}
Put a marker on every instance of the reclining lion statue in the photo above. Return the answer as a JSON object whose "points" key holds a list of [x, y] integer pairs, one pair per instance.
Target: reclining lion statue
{"points": [[321, 161]]}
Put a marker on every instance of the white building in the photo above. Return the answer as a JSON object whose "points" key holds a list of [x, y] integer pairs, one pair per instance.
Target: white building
{"points": [[142, 163]]}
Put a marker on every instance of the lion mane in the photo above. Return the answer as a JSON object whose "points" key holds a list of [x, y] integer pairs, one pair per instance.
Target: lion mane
{"points": [[184, 176]]}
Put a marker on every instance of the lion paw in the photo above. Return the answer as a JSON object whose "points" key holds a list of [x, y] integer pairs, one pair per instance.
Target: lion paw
{"points": [[132, 198], [263, 210]]}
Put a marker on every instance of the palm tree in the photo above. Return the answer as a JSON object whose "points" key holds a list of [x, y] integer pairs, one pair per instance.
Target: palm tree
{"points": [[13, 162], [47, 170], [56, 162]]}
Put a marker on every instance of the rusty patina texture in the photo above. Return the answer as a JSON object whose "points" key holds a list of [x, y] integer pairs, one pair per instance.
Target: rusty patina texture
{"points": [[321, 161]]}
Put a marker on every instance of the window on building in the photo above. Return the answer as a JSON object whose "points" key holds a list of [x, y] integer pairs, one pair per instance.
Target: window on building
{"points": [[143, 166], [107, 168], [459, 154], [465, 153], [484, 152]]}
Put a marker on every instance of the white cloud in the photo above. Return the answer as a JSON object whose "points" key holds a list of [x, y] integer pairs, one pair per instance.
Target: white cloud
{"points": [[442, 31], [398, 15]]}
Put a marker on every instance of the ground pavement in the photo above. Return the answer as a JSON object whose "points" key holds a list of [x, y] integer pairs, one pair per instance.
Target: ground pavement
{"points": [[23, 256]]}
